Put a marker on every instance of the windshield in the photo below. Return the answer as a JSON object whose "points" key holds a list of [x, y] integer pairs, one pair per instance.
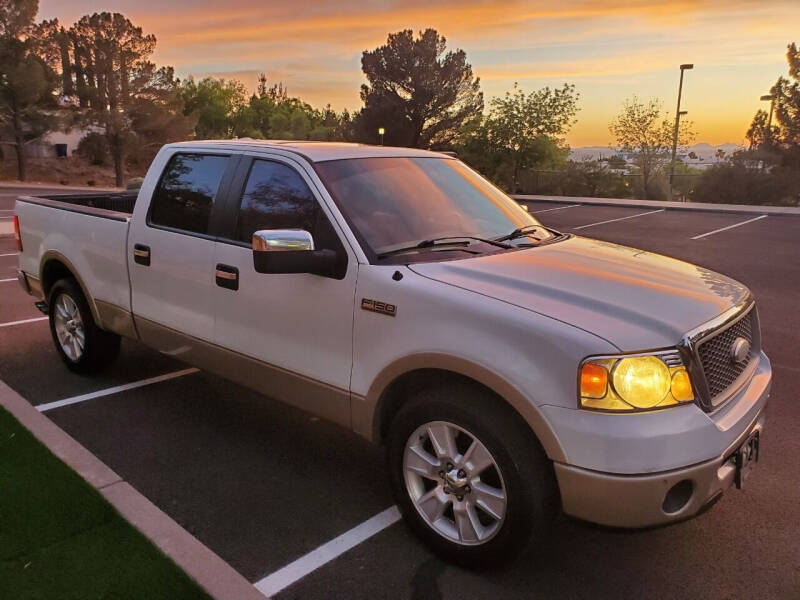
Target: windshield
{"points": [[393, 203]]}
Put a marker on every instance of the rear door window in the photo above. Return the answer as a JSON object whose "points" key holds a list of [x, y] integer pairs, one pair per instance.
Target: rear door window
{"points": [[185, 195]]}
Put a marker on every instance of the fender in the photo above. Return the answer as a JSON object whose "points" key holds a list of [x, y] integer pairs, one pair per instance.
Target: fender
{"points": [[57, 256], [366, 411], [106, 315]]}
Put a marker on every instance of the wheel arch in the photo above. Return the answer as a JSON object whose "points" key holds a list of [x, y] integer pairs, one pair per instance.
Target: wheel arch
{"points": [[55, 266], [396, 382]]}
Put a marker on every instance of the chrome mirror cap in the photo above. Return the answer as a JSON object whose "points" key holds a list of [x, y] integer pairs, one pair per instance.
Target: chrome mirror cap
{"points": [[270, 240]]}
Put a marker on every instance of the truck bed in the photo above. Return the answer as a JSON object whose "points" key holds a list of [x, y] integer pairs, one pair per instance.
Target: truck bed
{"points": [[116, 205], [88, 232]]}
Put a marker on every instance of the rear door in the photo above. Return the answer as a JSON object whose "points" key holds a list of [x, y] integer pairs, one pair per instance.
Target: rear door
{"points": [[172, 246], [297, 327]]}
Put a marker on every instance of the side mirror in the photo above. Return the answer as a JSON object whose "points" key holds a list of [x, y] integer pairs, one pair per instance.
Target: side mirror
{"points": [[277, 251]]}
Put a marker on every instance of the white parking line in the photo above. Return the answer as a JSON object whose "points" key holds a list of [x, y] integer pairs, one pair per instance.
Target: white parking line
{"points": [[12, 279], [10, 254], [114, 390], [652, 212], [295, 571], [559, 208], [23, 321], [702, 235]]}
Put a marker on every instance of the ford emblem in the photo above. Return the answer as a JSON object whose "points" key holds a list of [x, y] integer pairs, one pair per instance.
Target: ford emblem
{"points": [[740, 350]]}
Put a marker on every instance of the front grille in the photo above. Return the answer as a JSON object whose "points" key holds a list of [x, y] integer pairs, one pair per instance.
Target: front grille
{"points": [[719, 368]]}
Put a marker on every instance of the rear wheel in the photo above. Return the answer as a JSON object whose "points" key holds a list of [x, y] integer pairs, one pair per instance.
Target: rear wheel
{"points": [[469, 476], [82, 345]]}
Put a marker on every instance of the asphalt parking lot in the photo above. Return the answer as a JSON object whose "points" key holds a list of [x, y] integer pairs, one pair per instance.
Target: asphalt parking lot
{"points": [[263, 484]]}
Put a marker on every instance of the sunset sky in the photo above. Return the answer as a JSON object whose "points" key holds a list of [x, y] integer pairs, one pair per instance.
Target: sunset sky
{"points": [[610, 49]]}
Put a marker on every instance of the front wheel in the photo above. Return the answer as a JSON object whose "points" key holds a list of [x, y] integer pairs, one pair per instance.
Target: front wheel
{"points": [[81, 344], [469, 477]]}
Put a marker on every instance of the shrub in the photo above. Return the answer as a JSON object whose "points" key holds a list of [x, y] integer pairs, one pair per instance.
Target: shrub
{"points": [[736, 183], [134, 183], [586, 178], [94, 148]]}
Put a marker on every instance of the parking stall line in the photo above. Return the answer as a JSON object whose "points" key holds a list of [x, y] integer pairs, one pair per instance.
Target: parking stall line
{"points": [[115, 390], [557, 208], [23, 321], [10, 254], [295, 571], [7, 280], [651, 212], [702, 235]]}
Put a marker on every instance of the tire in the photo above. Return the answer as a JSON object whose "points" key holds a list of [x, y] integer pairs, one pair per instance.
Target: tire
{"points": [[81, 344], [466, 521]]}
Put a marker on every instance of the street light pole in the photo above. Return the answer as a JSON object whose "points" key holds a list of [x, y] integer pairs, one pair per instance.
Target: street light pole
{"points": [[678, 113], [771, 99], [381, 131]]}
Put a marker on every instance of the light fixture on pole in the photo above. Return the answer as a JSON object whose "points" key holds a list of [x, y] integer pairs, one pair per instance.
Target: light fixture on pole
{"points": [[684, 67], [381, 131]]}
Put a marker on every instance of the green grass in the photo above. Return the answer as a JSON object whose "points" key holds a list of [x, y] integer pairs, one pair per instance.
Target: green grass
{"points": [[59, 538]]}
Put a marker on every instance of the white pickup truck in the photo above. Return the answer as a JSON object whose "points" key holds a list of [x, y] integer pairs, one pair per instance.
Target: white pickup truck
{"points": [[509, 369]]}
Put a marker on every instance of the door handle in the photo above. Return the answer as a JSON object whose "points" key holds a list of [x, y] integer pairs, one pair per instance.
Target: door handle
{"points": [[141, 254], [227, 277]]}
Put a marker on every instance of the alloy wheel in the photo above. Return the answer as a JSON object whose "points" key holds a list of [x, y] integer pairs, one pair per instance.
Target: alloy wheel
{"points": [[454, 483], [69, 327]]}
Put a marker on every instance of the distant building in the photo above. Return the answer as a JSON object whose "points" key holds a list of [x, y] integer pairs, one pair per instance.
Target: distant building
{"points": [[48, 145]]}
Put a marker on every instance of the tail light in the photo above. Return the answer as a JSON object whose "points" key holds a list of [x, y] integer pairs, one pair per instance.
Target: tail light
{"points": [[17, 234]]}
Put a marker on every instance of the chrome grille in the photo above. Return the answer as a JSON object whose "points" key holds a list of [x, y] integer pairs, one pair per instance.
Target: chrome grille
{"points": [[719, 369]]}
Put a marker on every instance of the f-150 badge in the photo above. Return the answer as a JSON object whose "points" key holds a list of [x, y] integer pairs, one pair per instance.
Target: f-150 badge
{"points": [[377, 306]]}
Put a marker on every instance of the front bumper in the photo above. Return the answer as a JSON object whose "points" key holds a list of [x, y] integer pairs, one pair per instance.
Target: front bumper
{"points": [[641, 500], [620, 468]]}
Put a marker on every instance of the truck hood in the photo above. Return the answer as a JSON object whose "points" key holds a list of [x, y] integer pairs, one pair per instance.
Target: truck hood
{"points": [[634, 299]]}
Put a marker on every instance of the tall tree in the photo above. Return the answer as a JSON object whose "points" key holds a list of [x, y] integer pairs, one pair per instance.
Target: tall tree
{"points": [[418, 91], [26, 82], [786, 94], [156, 112], [643, 128], [214, 103], [104, 61], [526, 129], [779, 142], [52, 44], [759, 133]]}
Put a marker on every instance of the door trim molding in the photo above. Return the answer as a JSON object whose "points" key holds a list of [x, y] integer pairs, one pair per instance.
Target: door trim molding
{"points": [[313, 396]]}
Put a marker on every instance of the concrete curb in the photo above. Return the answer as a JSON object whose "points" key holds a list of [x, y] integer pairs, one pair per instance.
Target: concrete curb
{"points": [[214, 575], [745, 209]]}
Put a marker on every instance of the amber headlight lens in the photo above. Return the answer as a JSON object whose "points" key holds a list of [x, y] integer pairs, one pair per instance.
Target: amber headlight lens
{"points": [[642, 382], [629, 383], [682, 386]]}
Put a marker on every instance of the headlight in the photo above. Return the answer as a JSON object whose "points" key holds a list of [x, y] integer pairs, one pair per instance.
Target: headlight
{"points": [[631, 383]]}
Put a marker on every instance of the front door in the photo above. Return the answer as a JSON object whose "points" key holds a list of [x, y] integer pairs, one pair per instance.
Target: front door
{"points": [[296, 328]]}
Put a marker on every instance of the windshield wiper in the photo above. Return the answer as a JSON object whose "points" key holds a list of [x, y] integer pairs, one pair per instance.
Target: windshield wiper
{"points": [[520, 232], [452, 240]]}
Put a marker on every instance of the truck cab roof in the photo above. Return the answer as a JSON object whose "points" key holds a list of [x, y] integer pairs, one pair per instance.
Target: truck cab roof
{"points": [[315, 151]]}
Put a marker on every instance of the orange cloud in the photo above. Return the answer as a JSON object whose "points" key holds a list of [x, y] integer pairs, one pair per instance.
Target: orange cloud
{"points": [[610, 49]]}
